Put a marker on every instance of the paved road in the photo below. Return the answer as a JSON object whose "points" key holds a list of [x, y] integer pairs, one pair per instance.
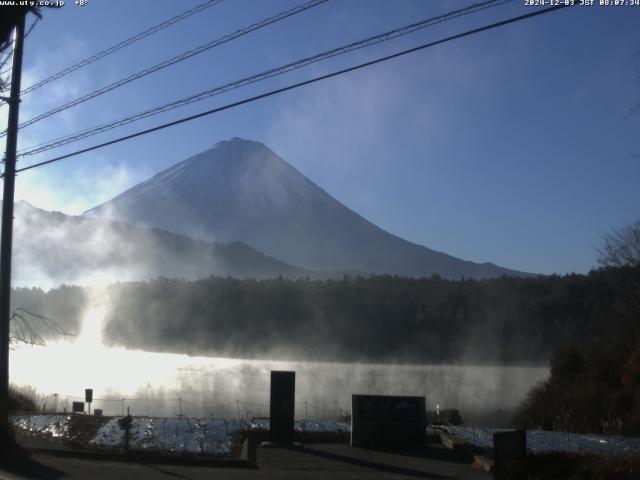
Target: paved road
{"points": [[317, 461]]}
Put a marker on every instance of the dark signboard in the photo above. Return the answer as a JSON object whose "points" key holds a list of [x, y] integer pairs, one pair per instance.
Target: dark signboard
{"points": [[281, 410], [379, 407], [77, 407], [385, 420], [88, 395]]}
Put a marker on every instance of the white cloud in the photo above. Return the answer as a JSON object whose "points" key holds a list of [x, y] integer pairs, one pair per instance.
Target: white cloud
{"points": [[89, 182], [75, 190], [47, 62]]}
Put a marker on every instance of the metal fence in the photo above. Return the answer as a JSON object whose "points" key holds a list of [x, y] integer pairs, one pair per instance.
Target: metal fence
{"points": [[181, 406]]}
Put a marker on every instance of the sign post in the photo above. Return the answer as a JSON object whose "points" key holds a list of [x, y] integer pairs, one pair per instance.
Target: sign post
{"points": [[88, 397], [281, 409]]}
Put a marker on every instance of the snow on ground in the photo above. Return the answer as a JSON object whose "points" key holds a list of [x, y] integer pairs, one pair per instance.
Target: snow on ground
{"points": [[209, 436], [110, 435], [175, 435], [539, 441], [307, 426], [201, 436], [322, 426], [50, 425]]}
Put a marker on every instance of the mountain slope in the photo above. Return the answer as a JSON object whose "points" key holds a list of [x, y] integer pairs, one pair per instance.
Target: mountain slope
{"points": [[52, 248], [241, 190]]}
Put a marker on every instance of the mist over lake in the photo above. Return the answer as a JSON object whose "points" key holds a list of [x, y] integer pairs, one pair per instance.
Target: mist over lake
{"points": [[212, 386]]}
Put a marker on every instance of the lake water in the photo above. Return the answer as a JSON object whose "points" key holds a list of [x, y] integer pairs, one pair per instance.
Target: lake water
{"points": [[166, 384]]}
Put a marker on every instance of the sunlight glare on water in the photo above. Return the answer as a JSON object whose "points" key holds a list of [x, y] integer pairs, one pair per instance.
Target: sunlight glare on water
{"points": [[68, 366]]}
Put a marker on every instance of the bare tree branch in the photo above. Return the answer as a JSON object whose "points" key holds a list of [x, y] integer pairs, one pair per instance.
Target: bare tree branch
{"points": [[21, 330], [621, 247]]}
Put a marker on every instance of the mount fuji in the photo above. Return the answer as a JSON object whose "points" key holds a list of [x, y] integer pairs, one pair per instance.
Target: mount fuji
{"points": [[240, 190]]}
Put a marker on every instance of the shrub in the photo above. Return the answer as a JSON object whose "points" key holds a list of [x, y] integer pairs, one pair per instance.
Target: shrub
{"points": [[578, 466], [578, 397], [20, 402]]}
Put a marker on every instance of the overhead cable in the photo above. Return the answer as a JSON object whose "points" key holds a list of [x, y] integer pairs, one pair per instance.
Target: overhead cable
{"points": [[178, 58], [297, 85], [367, 42], [124, 43]]}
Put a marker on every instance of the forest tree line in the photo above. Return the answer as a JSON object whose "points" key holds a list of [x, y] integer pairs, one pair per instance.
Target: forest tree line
{"points": [[506, 320], [594, 386]]}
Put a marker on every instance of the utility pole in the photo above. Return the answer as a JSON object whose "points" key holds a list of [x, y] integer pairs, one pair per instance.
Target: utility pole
{"points": [[7, 229]]}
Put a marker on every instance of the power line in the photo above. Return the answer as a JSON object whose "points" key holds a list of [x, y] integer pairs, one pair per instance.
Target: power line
{"points": [[3, 63], [10, 54], [178, 58], [31, 27], [261, 76], [6, 58], [367, 42], [125, 43], [297, 85]]}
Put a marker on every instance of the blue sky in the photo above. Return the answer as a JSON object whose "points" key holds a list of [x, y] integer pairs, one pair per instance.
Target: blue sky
{"points": [[513, 146]]}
